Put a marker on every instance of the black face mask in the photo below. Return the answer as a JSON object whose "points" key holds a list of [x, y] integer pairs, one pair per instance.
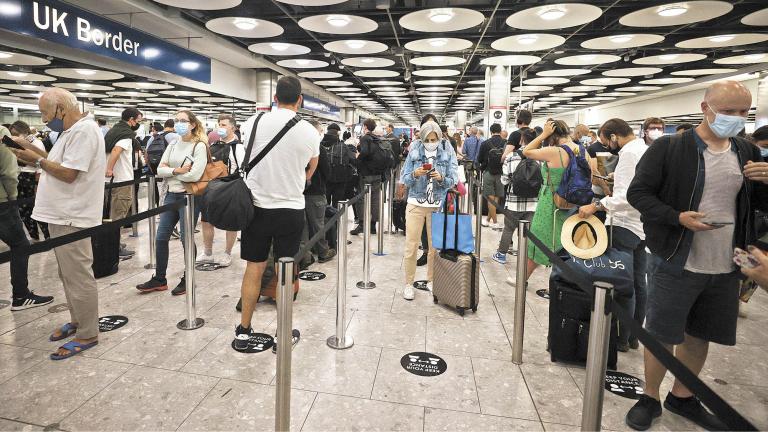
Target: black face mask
{"points": [[135, 127]]}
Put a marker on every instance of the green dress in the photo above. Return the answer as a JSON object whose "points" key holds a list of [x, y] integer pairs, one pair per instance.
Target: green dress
{"points": [[546, 225]]}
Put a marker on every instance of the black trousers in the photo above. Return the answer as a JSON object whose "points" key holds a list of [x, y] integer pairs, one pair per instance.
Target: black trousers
{"points": [[12, 234]]}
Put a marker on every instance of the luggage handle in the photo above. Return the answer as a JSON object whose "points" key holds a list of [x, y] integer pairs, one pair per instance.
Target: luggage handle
{"points": [[445, 223]]}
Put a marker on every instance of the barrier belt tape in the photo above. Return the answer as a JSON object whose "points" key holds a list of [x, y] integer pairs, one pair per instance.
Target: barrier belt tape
{"points": [[328, 224], [87, 232], [706, 395], [107, 186]]}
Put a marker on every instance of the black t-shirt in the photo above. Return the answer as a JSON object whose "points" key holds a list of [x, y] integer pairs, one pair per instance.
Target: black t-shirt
{"points": [[596, 147], [515, 137]]}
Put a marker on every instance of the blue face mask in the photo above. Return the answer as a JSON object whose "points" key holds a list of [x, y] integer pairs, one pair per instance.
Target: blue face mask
{"points": [[585, 140], [726, 126], [181, 128], [764, 152], [222, 132], [56, 124]]}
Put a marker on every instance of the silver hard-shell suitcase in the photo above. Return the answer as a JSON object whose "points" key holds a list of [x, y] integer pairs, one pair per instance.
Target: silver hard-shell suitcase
{"points": [[457, 281]]}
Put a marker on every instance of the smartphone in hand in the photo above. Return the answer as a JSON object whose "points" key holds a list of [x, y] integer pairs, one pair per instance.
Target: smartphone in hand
{"points": [[715, 223], [11, 143], [188, 161]]}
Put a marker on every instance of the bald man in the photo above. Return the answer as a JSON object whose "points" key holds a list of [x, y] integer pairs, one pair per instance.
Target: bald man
{"points": [[70, 197], [696, 193], [581, 135]]}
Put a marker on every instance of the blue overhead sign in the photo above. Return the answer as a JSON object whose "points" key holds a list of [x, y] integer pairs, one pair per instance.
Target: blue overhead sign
{"points": [[62, 23], [320, 107]]}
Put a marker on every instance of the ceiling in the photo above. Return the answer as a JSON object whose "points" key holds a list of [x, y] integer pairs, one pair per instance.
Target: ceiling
{"points": [[606, 40]]}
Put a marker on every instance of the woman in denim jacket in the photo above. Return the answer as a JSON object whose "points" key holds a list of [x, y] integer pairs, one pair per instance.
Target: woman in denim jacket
{"points": [[429, 171]]}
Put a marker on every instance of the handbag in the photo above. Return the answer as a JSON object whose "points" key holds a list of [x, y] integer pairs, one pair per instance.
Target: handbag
{"points": [[213, 170], [452, 229], [227, 201]]}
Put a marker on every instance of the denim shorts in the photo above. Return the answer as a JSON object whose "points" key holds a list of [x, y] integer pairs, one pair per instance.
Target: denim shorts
{"points": [[701, 305]]}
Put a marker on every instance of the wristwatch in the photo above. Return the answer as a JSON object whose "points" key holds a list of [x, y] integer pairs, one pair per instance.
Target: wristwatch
{"points": [[599, 205], [39, 163]]}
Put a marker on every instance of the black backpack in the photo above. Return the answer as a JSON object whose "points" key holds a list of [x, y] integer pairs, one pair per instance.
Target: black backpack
{"points": [[341, 166], [383, 159], [220, 151], [155, 151], [526, 180], [494, 160]]}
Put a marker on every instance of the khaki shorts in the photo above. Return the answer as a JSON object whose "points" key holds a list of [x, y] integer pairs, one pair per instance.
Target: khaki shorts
{"points": [[120, 205], [492, 185]]}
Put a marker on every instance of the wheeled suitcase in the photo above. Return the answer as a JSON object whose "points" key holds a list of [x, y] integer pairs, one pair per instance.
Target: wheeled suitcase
{"points": [[457, 276], [398, 214], [570, 311], [106, 244]]}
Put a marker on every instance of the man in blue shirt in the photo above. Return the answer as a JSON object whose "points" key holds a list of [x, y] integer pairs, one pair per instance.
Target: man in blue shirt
{"points": [[471, 145]]}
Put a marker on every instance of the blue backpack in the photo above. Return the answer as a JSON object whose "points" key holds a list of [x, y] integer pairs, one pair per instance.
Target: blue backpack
{"points": [[575, 188]]}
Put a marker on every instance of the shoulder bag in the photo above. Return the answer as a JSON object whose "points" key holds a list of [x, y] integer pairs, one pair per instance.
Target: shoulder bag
{"points": [[213, 170]]}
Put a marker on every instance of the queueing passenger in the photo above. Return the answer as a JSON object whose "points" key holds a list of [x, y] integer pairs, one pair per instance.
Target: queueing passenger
{"points": [[70, 198], [12, 234], [28, 179], [471, 145], [490, 162], [581, 135], [548, 221], [521, 208], [427, 188], [341, 156], [683, 127], [694, 192], [627, 231], [183, 161], [371, 169], [653, 129], [277, 185], [315, 203], [523, 125], [119, 148], [226, 137]]}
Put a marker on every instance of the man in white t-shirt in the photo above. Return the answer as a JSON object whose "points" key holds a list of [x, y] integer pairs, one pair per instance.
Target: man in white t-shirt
{"points": [[277, 185], [119, 146], [70, 197]]}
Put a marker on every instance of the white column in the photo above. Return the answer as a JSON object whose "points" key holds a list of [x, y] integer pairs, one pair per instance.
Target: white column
{"points": [[497, 88], [761, 101], [461, 119], [266, 81]]}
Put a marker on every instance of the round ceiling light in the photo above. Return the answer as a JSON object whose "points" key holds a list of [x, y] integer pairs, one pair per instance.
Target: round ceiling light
{"points": [[759, 18], [555, 16], [510, 60], [436, 72], [632, 72], [246, 24], [338, 24], [201, 4], [676, 14], [587, 59], [622, 41], [700, 72], [338, 20], [438, 61], [449, 19], [244, 27], [727, 40], [671, 58], [563, 72], [279, 49], [528, 42], [355, 46], [744, 59]]}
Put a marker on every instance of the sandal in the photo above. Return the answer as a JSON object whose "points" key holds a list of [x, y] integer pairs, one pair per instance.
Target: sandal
{"points": [[66, 331], [74, 348]]}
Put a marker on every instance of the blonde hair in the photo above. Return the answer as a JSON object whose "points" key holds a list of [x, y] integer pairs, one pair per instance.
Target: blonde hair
{"points": [[199, 134]]}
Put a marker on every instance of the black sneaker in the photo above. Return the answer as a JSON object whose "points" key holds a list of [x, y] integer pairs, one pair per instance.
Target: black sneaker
{"points": [[358, 230], [304, 264], [622, 346], [242, 336], [295, 336], [422, 261], [239, 305], [30, 301], [642, 414], [373, 228], [634, 343], [154, 284], [181, 288], [694, 411], [327, 257]]}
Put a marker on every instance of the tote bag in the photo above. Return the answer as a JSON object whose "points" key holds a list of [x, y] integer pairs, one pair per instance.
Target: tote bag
{"points": [[452, 231]]}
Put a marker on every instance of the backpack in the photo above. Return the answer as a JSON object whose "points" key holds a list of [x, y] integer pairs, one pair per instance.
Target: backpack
{"points": [[494, 160], [341, 167], [526, 180], [383, 159], [576, 186], [220, 151], [155, 151]]}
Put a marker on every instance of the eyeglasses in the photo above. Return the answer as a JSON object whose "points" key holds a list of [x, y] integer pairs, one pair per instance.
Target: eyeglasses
{"points": [[182, 121]]}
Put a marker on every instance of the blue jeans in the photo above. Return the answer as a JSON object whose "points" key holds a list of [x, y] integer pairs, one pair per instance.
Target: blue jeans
{"points": [[168, 221], [12, 234], [625, 240]]}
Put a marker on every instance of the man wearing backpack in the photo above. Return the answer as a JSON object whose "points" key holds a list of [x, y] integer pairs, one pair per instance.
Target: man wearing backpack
{"points": [[154, 152], [374, 159], [342, 170], [489, 158]]}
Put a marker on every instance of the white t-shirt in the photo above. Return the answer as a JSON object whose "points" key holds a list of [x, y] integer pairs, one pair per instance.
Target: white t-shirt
{"points": [[31, 168], [79, 203], [278, 180], [431, 201], [123, 169]]}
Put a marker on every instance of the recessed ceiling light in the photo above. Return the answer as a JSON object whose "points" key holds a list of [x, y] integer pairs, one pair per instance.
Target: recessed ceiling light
{"points": [[338, 20], [279, 46], [17, 74], [527, 39], [5, 55], [28, 86], [86, 72], [668, 56], [442, 15], [141, 84], [438, 42], [672, 10], [355, 44], [551, 14], [754, 56], [302, 62], [368, 60], [588, 57], [437, 59], [721, 38], [190, 65], [245, 23], [620, 38], [150, 53]]}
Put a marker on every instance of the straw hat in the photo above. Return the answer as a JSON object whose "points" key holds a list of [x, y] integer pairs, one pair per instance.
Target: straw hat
{"points": [[584, 238]]}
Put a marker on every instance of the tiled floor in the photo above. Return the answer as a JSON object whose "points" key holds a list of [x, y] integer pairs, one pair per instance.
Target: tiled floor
{"points": [[149, 375]]}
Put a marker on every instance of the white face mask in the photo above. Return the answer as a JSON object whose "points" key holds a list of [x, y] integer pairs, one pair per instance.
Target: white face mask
{"points": [[431, 146], [654, 134]]}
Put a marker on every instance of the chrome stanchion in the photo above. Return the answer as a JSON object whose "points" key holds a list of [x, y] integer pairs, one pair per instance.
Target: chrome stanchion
{"points": [[380, 232], [284, 345], [520, 285], [391, 193], [340, 340], [192, 322], [134, 210], [470, 191], [366, 282], [151, 220], [597, 357], [478, 215]]}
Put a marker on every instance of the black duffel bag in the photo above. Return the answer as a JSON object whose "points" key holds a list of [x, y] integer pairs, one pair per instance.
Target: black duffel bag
{"points": [[227, 202]]}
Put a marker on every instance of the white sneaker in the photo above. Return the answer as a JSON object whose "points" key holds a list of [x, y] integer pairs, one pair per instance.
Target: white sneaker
{"points": [[224, 260], [408, 292], [429, 286], [204, 259], [511, 281], [497, 226], [484, 223]]}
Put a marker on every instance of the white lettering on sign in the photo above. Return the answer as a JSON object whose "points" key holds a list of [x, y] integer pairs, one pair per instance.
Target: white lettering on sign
{"points": [[51, 16]]}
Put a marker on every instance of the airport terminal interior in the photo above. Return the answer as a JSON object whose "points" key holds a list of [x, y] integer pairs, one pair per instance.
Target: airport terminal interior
{"points": [[415, 364]]}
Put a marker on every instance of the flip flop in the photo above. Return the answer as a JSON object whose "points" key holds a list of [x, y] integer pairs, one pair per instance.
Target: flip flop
{"points": [[66, 330], [74, 348]]}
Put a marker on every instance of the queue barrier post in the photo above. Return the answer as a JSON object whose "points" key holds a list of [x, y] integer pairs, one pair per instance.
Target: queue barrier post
{"points": [[478, 215], [340, 340], [366, 282], [152, 185], [391, 196], [470, 191], [134, 210], [521, 283], [380, 232], [597, 357], [192, 322], [284, 345]]}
